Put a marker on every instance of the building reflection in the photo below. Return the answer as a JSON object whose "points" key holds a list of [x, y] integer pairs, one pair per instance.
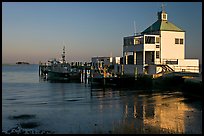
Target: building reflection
{"points": [[158, 113], [145, 113]]}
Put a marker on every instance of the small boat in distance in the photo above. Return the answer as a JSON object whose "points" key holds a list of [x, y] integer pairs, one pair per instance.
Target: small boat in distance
{"points": [[22, 62]]}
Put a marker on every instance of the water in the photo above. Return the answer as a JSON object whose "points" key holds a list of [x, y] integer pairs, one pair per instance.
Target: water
{"points": [[75, 108]]}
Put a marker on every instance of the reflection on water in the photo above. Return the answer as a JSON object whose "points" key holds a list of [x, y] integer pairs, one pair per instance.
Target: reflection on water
{"points": [[154, 112]]}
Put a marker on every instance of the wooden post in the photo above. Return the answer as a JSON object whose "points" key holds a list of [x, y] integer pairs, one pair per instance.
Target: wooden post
{"points": [[85, 76], [39, 68], [82, 75], [91, 75], [135, 71], [122, 69]]}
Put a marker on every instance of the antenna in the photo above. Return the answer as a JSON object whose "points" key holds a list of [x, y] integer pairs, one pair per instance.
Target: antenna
{"points": [[134, 28]]}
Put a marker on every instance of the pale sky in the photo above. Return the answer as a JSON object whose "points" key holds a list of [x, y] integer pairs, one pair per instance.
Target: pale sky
{"points": [[35, 32]]}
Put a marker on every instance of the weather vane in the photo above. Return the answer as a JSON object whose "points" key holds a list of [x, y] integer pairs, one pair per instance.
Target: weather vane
{"points": [[162, 6]]}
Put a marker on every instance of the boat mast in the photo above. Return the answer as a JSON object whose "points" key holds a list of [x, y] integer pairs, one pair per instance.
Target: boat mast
{"points": [[63, 55]]}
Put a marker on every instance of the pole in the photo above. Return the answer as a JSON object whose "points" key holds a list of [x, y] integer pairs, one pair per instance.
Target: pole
{"points": [[85, 75], [82, 75], [135, 73]]}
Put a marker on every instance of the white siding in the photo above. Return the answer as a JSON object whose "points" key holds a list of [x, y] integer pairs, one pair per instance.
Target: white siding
{"points": [[170, 50]]}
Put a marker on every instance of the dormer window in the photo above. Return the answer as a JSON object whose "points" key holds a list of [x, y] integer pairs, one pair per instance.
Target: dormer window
{"points": [[164, 17]]}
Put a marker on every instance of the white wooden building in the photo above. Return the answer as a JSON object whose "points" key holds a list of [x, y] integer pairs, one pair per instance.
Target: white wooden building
{"points": [[159, 48]]}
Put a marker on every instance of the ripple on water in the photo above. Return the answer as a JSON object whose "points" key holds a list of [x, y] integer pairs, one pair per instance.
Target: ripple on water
{"points": [[72, 100], [11, 99], [23, 116]]}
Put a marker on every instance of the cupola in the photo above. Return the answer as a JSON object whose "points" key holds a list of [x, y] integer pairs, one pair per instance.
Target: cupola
{"points": [[162, 15]]}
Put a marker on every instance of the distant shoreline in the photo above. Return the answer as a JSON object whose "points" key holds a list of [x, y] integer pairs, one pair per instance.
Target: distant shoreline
{"points": [[12, 64], [22, 62]]}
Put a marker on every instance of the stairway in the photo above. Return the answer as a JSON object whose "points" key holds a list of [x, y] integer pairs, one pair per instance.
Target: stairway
{"points": [[165, 69]]}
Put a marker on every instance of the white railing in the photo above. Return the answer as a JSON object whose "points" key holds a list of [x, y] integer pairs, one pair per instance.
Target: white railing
{"points": [[186, 68]]}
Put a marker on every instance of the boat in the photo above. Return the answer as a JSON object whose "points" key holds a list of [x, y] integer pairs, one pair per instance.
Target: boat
{"points": [[59, 70]]}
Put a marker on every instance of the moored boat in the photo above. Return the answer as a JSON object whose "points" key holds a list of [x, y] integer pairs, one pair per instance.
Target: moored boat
{"points": [[59, 70]]}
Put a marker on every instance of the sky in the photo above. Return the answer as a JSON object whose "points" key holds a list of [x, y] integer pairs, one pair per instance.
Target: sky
{"points": [[37, 31]]}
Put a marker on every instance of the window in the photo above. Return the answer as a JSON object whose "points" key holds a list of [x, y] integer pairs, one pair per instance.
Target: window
{"points": [[181, 41], [137, 41], [125, 42], [141, 40], [157, 46], [172, 62], [131, 41], [157, 54], [149, 40], [176, 41], [157, 39], [128, 41], [164, 16]]}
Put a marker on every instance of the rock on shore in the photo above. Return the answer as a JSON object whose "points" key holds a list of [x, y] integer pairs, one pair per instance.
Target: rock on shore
{"points": [[19, 130]]}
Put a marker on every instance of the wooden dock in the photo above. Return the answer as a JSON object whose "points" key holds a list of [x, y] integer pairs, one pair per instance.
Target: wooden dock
{"points": [[43, 68], [140, 81]]}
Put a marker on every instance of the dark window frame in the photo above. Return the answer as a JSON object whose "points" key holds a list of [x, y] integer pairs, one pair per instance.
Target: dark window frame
{"points": [[149, 40], [157, 39], [176, 40], [157, 54], [181, 41]]}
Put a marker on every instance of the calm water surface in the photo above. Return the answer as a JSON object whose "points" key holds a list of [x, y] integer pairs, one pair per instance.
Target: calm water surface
{"points": [[76, 108]]}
